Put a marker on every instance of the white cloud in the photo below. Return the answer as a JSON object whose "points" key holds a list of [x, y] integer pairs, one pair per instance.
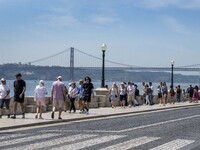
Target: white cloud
{"points": [[57, 21], [183, 4], [103, 20], [176, 25]]}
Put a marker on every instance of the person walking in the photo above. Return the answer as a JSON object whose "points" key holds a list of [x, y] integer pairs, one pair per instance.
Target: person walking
{"points": [[80, 95], [4, 97], [87, 92], [58, 96], [123, 94], [164, 93], [40, 92], [178, 93], [195, 97], [137, 94], [113, 94], [72, 96], [151, 95], [143, 93], [190, 92], [172, 94], [131, 93], [19, 93]]}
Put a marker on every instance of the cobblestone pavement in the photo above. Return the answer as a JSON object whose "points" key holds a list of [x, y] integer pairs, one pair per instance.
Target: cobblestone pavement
{"points": [[30, 120], [161, 130]]}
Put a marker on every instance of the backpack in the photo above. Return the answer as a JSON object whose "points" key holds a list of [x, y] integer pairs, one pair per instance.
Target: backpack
{"points": [[137, 92]]}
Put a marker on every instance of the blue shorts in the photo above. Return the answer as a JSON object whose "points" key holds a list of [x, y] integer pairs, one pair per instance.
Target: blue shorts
{"points": [[6, 101]]}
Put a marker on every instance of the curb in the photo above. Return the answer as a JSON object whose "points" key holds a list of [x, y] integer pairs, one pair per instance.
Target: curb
{"points": [[93, 117]]}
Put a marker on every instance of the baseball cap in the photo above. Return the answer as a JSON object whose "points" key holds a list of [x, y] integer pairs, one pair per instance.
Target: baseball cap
{"points": [[41, 81], [2, 79], [59, 77]]}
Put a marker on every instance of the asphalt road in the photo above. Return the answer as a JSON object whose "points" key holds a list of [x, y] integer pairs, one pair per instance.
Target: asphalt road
{"points": [[164, 130]]}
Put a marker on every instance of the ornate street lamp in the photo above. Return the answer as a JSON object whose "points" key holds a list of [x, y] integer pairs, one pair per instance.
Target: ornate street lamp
{"points": [[172, 75], [103, 48]]}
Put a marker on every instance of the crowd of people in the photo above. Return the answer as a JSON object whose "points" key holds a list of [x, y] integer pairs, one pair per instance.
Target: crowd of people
{"points": [[60, 96], [129, 94], [63, 96]]}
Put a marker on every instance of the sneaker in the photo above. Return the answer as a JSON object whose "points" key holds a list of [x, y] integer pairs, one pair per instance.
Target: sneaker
{"points": [[0, 116], [8, 116], [23, 115], [59, 118], [52, 115], [36, 116], [87, 113], [13, 117]]}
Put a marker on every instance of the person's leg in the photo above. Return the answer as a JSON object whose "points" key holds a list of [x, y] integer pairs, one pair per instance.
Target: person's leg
{"points": [[164, 100], [23, 109], [73, 105], [80, 104], [60, 104], [123, 103], [1, 107], [41, 111], [7, 102], [87, 107], [54, 108], [14, 109], [37, 109], [70, 105]]}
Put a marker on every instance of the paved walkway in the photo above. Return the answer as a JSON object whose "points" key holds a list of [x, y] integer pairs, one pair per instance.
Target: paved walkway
{"points": [[30, 120]]}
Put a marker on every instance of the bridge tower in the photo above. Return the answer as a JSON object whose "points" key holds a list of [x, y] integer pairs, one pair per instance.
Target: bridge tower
{"points": [[71, 71]]}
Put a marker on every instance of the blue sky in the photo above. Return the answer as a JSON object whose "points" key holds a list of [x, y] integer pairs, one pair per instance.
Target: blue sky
{"points": [[137, 32]]}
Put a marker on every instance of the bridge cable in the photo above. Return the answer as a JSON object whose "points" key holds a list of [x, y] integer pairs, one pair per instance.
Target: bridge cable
{"points": [[41, 59]]}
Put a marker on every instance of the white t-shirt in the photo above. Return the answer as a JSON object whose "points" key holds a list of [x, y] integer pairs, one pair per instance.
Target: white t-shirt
{"points": [[3, 91], [130, 89], [40, 92], [113, 91]]}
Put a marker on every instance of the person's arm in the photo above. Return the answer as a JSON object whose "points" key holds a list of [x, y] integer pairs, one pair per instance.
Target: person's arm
{"points": [[23, 91], [64, 93], [93, 92], [7, 93]]}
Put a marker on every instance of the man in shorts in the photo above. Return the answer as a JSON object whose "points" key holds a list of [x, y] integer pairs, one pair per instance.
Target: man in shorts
{"points": [[58, 94], [19, 91], [4, 97]]}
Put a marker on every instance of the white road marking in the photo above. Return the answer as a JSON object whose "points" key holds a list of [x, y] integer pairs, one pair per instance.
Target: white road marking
{"points": [[131, 143], [56, 141], [26, 139], [174, 145], [91, 142], [8, 136], [159, 123]]}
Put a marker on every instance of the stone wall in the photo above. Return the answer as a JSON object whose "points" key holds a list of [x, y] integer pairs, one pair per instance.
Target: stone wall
{"points": [[96, 102]]}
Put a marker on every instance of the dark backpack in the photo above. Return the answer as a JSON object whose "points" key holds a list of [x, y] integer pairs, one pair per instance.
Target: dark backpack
{"points": [[137, 92]]}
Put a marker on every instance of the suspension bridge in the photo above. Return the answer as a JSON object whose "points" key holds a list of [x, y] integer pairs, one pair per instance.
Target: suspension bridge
{"points": [[73, 58]]}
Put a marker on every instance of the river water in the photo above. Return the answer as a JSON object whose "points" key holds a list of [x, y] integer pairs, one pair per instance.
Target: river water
{"points": [[31, 84]]}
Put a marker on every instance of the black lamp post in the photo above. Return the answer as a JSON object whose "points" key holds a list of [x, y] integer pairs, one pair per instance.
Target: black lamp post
{"points": [[103, 47], [172, 75]]}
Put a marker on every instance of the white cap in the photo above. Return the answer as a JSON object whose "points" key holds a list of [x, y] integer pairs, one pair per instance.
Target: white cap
{"points": [[2, 79], [59, 77], [41, 81]]}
